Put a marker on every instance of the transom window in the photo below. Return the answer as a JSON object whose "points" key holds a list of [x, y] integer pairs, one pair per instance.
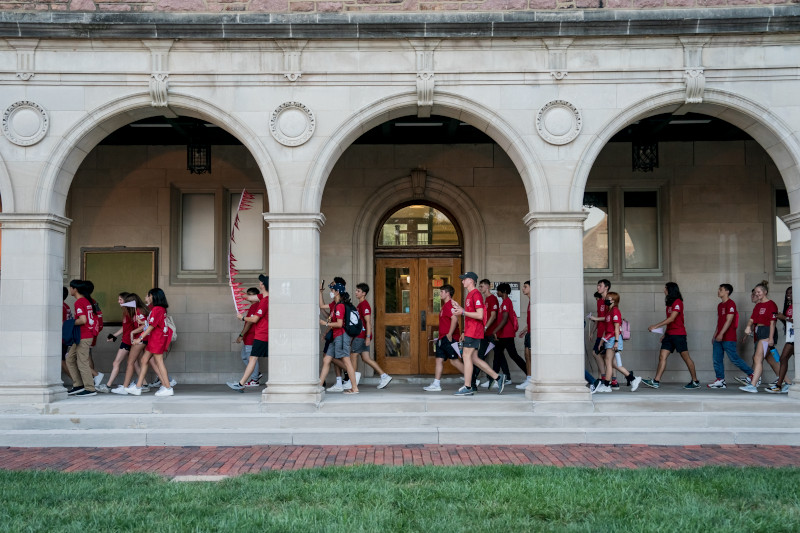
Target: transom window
{"points": [[418, 225]]}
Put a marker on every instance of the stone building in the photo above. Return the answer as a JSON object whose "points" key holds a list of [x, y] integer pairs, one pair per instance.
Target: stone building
{"points": [[397, 144]]}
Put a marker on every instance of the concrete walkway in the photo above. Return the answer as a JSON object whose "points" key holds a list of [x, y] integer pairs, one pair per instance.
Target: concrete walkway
{"points": [[215, 461]]}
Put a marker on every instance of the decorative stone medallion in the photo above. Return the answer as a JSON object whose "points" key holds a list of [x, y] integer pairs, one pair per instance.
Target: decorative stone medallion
{"points": [[558, 122], [25, 123], [292, 124]]}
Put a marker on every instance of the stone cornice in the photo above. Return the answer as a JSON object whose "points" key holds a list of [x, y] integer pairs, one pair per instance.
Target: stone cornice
{"points": [[34, 221], [563, 23], [555, 219], [792, 220], [295, 220]]}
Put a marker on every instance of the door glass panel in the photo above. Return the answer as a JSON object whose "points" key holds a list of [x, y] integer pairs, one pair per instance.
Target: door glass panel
{"points": [[398, 290], [437, 278], [418, 225], [398, 341]]}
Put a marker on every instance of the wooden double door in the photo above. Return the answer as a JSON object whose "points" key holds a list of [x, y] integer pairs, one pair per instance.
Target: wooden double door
{"points": [[407, 306]]}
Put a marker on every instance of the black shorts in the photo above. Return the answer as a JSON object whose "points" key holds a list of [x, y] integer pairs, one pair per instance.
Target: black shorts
{"points": [[674, 343], [124, 346], [444, 350], [483, 349], [470, 342], [260, 349], [599, 346], [528, 340]]}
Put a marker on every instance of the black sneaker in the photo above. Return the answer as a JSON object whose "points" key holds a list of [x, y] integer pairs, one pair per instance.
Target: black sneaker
{"points": [[74, 390], [501, 383], [84, 392]]}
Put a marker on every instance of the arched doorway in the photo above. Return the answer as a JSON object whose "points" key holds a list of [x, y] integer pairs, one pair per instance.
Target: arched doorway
{"points": [[417, 252]]}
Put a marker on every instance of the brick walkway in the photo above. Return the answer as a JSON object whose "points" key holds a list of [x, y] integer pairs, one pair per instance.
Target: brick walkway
{"points": [[230, 461]]}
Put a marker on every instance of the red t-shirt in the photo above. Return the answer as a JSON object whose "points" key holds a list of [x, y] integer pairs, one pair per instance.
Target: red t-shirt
{"points": [[83, 307], [364, 311], [788, 314], [251, 331], [601, 313], [444, 321], [492, 304], [472, 326], [506, 307], [676, 327], [262, 326], [724, 309], [764, 313], [336, 315], [66, 312], [129, 324], [613, 317]]}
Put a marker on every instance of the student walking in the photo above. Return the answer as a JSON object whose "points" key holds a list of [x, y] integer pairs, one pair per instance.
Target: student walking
{"points": [[599, 351], [763, 319], [492, 306], [78, 362], [259, 322], [782, 385], [474, 320], [505, 332], [132, 314], [674, 338], [613, 343], [526, 334], [246, 338], [448, 334], [361, 344], [338, 368], [724, 339], [158, 336], [339, 347]]}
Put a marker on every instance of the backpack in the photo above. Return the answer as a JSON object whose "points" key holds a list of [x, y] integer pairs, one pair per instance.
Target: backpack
{"points": [[625, 330], [95, 320], [168, 322], [512, 317], [351, 321]]}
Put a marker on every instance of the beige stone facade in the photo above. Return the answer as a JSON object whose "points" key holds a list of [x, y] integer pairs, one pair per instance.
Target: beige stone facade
{"points": [[550, 105]]}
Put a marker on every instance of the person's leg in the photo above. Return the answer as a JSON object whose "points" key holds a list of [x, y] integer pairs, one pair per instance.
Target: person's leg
{"points": [[689, 364], [326, 366], [608, 368], [83, 364], [437, 374], [252, 363], [458, 364], [716, 357], [144, 366], [365, 356], [514, 355], [500, 363], [161, 369], [121, 354], [133, 364], [476, 361], [469, 353], [662, 364], [72, 367], [788, 352], [775, 365], [352, 372], [758, 359], [730, 349]]}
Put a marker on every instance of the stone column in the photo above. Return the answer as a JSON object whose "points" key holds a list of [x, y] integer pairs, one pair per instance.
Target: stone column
{"points": [[557, 352], [293, 309], [30, 308], [793, 221]]}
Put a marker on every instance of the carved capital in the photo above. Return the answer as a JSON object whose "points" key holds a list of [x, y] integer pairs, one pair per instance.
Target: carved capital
{"points": [[695, 85], [292, 55], [159, 71], [26, 58], [557, 57], [693, 68], [419, 180], [159, 89], [425, 75]]}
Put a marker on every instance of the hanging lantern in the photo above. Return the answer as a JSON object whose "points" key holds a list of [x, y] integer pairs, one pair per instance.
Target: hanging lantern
{"points": [[198, 158]]}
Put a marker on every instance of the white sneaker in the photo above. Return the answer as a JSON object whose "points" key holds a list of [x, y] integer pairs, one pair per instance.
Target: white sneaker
{"points": [[385, 381], [508, 381], [133, 389], [347, 385], [717, 384], [635, 383], [164, 392], [98, 379], [485, 384], [358, 378], [172, 382], [603, 388], [433, 387], [524, 384], [120, 390], [336, 388], [102, 388]]}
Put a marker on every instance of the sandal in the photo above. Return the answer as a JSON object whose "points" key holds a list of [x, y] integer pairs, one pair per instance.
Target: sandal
{"points": [[351, 391]]}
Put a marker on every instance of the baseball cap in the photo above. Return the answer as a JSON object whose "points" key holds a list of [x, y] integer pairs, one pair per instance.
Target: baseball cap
{"points": [[338, 287], [472, 275]]}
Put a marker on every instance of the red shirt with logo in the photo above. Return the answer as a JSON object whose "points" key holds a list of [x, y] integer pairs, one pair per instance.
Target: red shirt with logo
{"points": [[250, 334], [724, 310], [336, 315], [364, 311], [445, 316], [492, 304], [612, 318], [472, 326], [601, 313], [764, 313], [129, 324], [506, 308], [83, 307], [676, 327], [262, 326]]}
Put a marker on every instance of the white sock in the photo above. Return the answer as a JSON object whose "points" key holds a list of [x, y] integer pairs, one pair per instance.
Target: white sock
{"points": [[384, 375], [338, 380], [436, 382], [528, 378]]}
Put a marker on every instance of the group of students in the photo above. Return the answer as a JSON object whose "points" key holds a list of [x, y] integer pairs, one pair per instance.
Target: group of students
{"points": [[342, 347], [761, 325], [145, 337]]}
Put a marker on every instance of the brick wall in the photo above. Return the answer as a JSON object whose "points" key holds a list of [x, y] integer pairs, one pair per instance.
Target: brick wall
{"points": [[329, 6]]}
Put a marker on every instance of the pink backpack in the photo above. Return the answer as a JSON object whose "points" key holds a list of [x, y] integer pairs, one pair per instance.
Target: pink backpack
{"points": [[625, 330]]}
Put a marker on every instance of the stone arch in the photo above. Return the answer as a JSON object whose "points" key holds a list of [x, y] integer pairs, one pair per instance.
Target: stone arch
{"points": [[54, 183], [6, 189], [445, 104], [438, 191], [769, 130]]}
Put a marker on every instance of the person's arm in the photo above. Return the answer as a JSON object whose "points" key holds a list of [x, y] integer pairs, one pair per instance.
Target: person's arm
{"points": [[748, 330], [453, 326], [477, 314], [669, 320], [725, 326], [368, 325], [250, 319], [144, 334], [490, 320], [114, 335], [246, 327], [503, 320], [617, 327], [771, 333], [81, 320]]}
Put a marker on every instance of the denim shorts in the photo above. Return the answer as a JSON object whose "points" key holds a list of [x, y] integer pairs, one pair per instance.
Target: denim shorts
{"points": [[609, 344]]}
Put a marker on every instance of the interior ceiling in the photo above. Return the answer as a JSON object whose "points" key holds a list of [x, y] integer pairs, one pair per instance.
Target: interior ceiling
{"points": [[436, 129]]}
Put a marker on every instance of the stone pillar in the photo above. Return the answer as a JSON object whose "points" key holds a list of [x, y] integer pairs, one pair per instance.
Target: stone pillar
{"points": [[293, 309], [30, 308], [793, 221], [557, 352]]}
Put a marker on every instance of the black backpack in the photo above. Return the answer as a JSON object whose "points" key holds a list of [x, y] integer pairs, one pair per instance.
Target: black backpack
{"points": [[352, 321]]}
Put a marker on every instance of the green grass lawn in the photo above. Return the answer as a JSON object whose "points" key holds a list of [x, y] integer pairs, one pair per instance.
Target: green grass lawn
{"points": [[425, 499]]}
